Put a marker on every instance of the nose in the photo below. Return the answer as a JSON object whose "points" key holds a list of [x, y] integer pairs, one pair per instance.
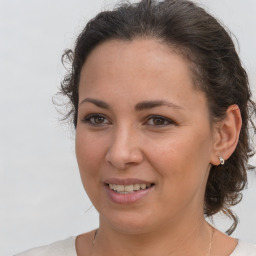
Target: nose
{"points": [[124, 150]]}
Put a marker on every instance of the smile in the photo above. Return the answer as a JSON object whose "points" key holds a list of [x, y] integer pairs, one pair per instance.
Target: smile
{"points": [[129, 190], [126, 189]]}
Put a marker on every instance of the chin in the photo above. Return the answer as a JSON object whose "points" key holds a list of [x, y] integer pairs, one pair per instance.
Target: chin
{"points": [[129, 223]]}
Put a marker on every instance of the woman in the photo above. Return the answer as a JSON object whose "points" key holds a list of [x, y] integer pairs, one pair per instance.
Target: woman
{"points": [[162, 111]]}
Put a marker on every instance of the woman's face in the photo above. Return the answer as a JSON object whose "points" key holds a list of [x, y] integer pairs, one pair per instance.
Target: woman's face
{"points": [[143, 137]]}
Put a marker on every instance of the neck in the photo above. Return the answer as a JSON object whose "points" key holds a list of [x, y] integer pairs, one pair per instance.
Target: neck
{"points": [[173, 239]]}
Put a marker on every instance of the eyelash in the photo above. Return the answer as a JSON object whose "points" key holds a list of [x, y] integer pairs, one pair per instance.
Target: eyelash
{"points": [[88, 118], [167, 121]]}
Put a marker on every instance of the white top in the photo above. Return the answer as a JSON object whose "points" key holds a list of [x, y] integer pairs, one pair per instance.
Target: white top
{"points": [[67, 247]]}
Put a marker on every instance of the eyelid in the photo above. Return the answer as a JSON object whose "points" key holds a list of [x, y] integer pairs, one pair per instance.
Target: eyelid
{"points": [[170, 121], [87, 118]]}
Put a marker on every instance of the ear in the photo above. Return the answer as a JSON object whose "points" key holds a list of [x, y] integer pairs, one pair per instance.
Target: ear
{"points": [[226, 135]]}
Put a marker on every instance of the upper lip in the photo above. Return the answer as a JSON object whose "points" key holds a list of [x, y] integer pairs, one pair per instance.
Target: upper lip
{"points": [[129, 181]]}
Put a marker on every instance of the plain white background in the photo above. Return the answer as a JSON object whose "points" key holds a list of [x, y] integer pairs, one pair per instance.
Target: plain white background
{"points": [[41, 197]]}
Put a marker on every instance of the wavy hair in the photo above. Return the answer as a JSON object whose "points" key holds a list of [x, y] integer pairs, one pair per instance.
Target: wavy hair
{"points": [[216, 67]]}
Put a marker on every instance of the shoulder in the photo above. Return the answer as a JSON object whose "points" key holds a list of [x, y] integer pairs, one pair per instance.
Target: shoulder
{"points": [[65, 247], [244, 249]]}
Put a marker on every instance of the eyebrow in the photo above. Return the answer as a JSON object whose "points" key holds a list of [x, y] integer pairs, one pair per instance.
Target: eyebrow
{"points": [[138, 107], [98, 103], [155, 103]]}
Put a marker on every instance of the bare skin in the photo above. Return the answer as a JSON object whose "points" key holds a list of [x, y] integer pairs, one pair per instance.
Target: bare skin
{"points": [[222, 245], [84, 243], [140, 118]]}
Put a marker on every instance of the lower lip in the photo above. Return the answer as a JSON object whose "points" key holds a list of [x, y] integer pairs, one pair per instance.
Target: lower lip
{"points": [[127, 198]]}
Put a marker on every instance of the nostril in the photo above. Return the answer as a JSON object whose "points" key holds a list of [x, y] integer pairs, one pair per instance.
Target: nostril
{"points": [[123, 155]]}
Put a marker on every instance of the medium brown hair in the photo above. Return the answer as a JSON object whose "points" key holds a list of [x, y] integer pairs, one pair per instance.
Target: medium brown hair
{"points": [[217, 71]]}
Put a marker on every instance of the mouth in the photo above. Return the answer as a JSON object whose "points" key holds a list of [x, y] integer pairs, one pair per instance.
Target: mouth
{"points": [[131, 188], [128, 191]]}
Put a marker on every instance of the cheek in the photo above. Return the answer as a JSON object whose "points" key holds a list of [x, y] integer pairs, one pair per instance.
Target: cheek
{"points": [[182, 159], [89, 149], [182, 168], [89, 153]]}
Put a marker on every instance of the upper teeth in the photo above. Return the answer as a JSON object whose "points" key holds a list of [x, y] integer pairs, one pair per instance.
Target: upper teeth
{"points": [[128, 188]]}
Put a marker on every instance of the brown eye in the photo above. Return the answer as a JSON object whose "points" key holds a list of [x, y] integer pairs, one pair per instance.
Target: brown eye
{"points": [[159, 121], [96, 120]]}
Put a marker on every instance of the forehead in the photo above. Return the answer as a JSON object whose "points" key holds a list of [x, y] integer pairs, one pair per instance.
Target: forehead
{"points": [[140, 69], [147, 57]]}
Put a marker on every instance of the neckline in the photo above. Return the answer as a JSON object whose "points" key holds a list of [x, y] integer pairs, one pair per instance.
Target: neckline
{"points": [[236, 249]]}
